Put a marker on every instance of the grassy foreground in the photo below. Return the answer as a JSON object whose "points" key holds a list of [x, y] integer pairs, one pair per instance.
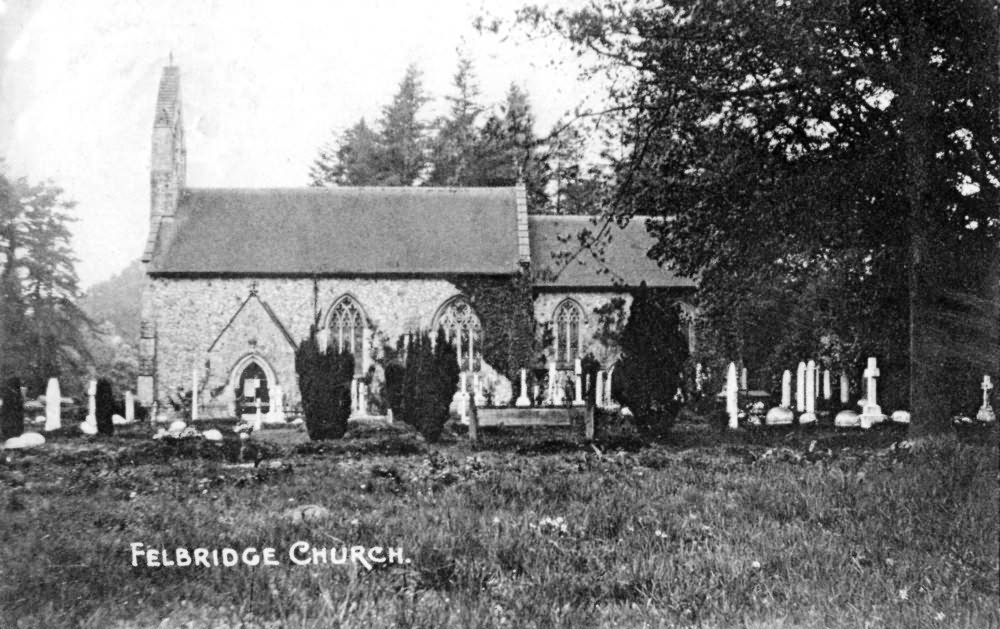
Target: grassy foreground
{"points": [[530, 530]]}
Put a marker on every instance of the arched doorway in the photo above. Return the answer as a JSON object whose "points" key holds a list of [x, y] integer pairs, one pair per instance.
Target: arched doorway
{"points": [[252, 387]]}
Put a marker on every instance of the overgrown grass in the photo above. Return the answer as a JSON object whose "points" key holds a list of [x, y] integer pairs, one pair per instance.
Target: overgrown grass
{"points": [[709, 530]]}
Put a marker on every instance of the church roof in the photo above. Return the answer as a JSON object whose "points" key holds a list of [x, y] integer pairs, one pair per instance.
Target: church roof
{"points": [[557, 259], [342, 231]]}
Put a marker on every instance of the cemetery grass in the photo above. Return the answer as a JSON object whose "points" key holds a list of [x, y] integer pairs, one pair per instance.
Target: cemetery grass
{"points": [[527, 530]]}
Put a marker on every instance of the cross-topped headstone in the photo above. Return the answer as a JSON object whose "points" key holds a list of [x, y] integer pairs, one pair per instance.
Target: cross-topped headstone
{"points": [[871, 411], [986, 413]]}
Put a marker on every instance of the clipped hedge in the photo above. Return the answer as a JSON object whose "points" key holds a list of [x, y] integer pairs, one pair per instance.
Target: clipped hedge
{"points": [[429, 381], [104, 402]]}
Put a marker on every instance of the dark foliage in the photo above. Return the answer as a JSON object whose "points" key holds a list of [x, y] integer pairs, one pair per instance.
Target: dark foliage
{"points": [[325, 384], [429, 384], [506, 310], [654, 351], [105, 407], [394, 375], [12, 412]]}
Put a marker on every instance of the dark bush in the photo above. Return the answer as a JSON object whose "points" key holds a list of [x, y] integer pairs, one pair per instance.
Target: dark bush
{"points": [[105, 407], [325, 384], [12, 412], [430, 380], [394, 376], [654, 351]]}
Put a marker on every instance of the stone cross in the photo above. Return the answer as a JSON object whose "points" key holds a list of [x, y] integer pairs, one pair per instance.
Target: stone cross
{"points": [[578, 372], [986, 414], [871, 413], [827, 387], [92, 402], [53, 411], [194, 394], [258, 419], [362, 399], [732, 404], [552, 383], [845, 388], [599, 389], [786, 389], [129, 406], [800, 388], [522, 400]]}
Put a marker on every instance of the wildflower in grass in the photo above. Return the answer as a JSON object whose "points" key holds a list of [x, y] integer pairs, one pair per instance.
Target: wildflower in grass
{"points": [[549, 525], [755, 565], [904, 594], [939, 616], [659, 533]]}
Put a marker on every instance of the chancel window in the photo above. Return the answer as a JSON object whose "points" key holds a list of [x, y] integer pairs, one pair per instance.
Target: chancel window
{"points": [[347, 330], [568, 319], [462, 328]]}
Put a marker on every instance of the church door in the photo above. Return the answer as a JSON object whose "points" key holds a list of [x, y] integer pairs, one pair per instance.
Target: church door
{"points": [[253, 388]]}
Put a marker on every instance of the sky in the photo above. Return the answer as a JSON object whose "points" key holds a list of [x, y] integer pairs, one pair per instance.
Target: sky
{"points": [[264, 84]]}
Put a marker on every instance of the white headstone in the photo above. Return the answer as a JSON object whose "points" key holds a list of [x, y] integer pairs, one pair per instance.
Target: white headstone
{"points": [[786, 389], [827, 386], [276, 405], [845, 388], [609, 392], [846, 419], [477, 388], [698, 377], [986, 413], [88, 428], [129, 407], [522, 400], [732, 403], [258, 418], [552, 383], [194, 394], [578, 372], [599, 389], [212, 435], [53, 411], [463, 397], [92, 403], [809, 416], [871, 413], [743, 379], [800, 388]]}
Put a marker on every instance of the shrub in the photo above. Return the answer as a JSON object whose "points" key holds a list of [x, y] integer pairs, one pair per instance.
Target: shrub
{"points": [[325, 384], [104, 407], [12, 412], [654, 351], [429, 382]]}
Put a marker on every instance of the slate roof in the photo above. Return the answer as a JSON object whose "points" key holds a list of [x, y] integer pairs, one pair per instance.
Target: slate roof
{"points": [[341, 231], [556, 264]]}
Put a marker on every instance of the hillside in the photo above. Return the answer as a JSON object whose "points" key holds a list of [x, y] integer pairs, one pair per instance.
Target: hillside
{"points": [[117, 301]]}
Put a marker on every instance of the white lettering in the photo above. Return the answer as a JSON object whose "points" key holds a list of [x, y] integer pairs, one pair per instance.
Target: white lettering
{"points": [[201, 557], [302, 547], [250, 556], [183, 557], [136, 552]]}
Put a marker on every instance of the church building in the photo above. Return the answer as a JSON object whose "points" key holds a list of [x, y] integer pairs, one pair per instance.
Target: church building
{"points": [[236, 278]]}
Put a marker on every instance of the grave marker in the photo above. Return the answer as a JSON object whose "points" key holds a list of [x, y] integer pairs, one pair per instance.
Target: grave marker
{"points": [[92, 403], [986, 414], [800, 388], [827, 386], [578, 385], [599, 391], [129, 407], [522, 400], [552, 383], [732, 405], [809, 416], [845, 388], [871, 412], [53, 410], [786, 389]]}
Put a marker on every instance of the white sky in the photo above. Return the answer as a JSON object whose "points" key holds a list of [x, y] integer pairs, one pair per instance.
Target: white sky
{"points": [[263, 84]]}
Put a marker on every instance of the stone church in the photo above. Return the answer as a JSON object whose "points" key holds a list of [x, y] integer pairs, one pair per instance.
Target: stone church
{"points": [[237, 277]]}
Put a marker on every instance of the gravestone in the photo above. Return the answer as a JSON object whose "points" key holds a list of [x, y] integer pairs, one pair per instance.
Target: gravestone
{"points": [[599, 389], [732, 402], [53, 410], [129, 407], [552, 384], [258, 418], [477, 391], [578, 384], [985, 413], [845, 388], [809, 416], [786, 389], [800, 388], [743, 379], [698, 377], [846, 419], [827, 386], [871, 413], [276, 409], [92, 403], [463, 397], [522, 400]]}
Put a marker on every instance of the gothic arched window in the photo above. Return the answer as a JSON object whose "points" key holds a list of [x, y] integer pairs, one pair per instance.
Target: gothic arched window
{"points": [[461, 326], [347, 330], [568, 321]]}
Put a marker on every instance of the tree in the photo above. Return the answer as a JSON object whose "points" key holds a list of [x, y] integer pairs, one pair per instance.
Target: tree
{"points": [[325, 384], [831, 165], [12, 409], [352, 160], [42, 330], [654, 352], [454, 148], [104, 403]]}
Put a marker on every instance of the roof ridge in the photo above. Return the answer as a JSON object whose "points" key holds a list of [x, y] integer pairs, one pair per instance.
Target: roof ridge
{"points": [[349, 189]]}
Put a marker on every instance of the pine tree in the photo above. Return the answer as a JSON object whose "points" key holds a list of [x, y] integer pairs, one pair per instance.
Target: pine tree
{"points": [[453, 150], [353, 159], [403, 133], [12, 411]]}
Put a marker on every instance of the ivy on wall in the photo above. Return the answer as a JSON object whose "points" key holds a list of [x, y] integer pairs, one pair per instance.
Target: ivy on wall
{"points": [[506, 310]]}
